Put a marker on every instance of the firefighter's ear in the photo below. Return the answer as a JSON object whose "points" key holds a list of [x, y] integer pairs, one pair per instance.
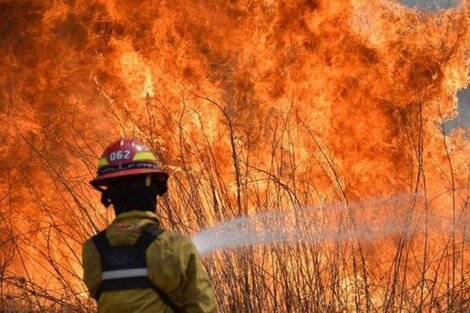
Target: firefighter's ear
{"points": [[105, 199]]}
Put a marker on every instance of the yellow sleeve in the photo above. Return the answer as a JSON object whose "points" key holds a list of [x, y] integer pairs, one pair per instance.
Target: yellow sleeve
{"points": [[198, 296], [176, 268], [91, 267]]}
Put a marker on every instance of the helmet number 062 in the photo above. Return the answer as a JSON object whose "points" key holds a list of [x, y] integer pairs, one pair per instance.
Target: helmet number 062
{"points": [[120, 155]]}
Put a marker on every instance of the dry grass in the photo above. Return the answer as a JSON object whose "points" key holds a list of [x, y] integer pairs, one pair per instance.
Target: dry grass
{"points": [[407, 271]]}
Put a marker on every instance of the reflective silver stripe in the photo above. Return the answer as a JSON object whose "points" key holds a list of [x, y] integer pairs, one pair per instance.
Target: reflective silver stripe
{"points": [[132, 272]]}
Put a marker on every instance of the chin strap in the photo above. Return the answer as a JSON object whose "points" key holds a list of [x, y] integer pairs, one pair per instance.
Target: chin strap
{"points": [[105, 199]]}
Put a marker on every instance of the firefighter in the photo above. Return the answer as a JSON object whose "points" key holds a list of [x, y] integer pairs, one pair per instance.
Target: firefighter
{"points": [[134, 265]]}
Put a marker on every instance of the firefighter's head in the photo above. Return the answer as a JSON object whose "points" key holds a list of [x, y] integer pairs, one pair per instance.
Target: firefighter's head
{"points": [[129, 177]]}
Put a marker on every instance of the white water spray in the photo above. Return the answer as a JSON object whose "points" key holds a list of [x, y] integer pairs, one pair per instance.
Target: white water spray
{"points": [[376, 218]]}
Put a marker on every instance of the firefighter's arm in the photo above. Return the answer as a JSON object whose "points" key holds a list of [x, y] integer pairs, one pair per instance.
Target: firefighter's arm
{"points": [[196, 288], [91, 267], [176, 268]]}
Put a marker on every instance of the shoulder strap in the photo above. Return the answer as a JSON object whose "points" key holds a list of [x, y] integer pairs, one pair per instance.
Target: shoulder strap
{"points": [[101, 242], [149, 233]]}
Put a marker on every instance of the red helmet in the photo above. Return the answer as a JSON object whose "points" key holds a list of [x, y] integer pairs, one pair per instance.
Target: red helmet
{"points": [[126, 157]]}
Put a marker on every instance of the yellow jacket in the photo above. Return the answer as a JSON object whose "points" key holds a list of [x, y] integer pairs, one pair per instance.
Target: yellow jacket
{"points": [[173, 263]]}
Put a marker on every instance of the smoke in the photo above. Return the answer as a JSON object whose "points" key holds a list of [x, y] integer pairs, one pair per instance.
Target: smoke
{"points": [[463, 118], [431, 4]]}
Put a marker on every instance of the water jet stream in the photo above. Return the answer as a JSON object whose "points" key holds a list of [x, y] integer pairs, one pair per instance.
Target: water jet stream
{"points": [[375, 218]]}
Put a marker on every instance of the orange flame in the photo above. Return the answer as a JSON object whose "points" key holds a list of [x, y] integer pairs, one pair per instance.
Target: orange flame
{"points": [[255, 106]]}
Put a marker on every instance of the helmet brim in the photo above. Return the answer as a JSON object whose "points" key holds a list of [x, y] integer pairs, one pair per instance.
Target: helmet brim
{"points": [[104, 179]]}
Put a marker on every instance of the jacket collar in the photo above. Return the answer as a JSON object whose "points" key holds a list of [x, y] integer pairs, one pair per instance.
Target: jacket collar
{"points": [[136, 215]]}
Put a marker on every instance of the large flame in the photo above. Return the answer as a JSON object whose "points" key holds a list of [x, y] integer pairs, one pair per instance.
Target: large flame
{"points": [[252, 106]]}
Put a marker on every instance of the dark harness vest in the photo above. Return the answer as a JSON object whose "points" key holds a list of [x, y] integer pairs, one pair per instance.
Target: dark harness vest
{"points": [[125, 267]]}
